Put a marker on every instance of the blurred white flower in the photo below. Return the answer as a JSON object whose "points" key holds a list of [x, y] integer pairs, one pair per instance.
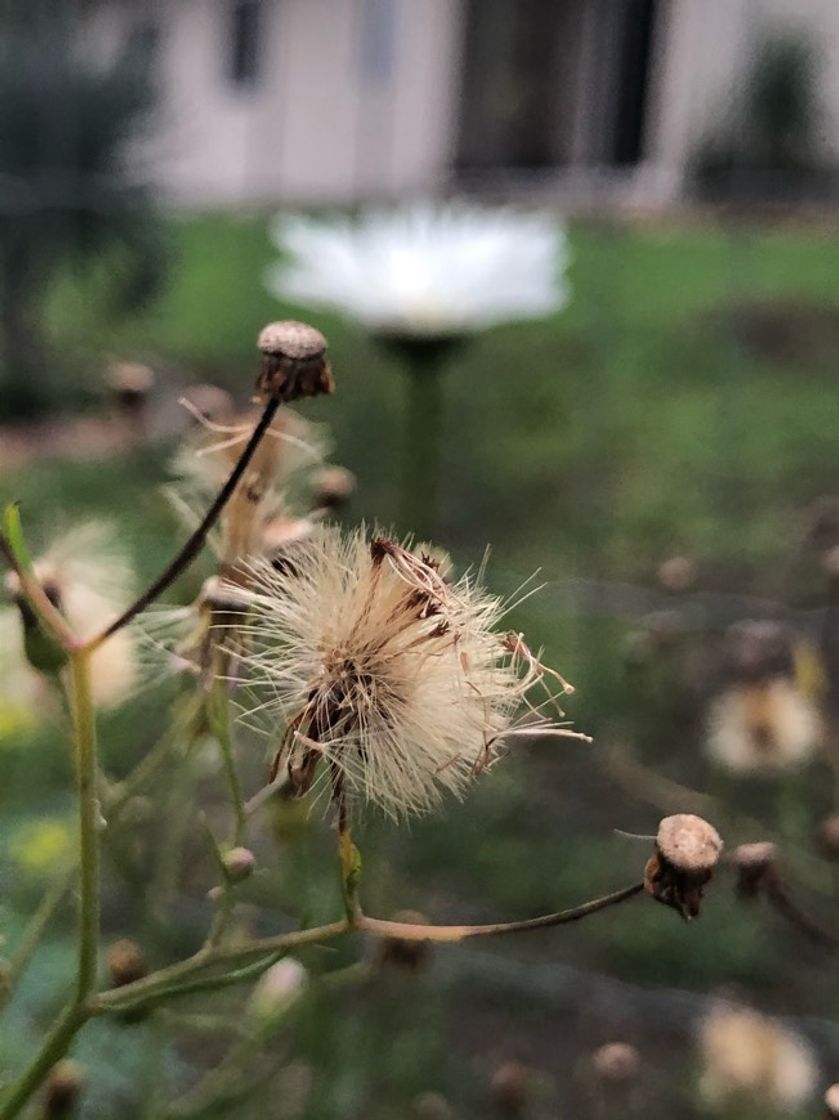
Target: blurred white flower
{"points": [[426, 270], [748, 1057], [762, 727], [90, 579], [377, 665], [278, 988]]}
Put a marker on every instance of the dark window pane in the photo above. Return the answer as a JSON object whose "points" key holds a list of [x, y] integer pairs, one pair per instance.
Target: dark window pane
{"points": [[246, 20]]}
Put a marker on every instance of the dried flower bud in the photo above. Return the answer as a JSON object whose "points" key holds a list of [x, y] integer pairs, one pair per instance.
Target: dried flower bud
{"points": [[125, 963], [677, 574], [831, 1102], [131, 383], [278, 989], [687, 851], [294, 362], [239, 864], [756, 867], [412, 956], [828, 837], [331, 487], [617, 1063], [63, 1088], [511, 1086]]}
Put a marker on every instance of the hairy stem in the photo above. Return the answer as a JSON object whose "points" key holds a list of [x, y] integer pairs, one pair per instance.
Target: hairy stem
{"points": [[195, 542]]}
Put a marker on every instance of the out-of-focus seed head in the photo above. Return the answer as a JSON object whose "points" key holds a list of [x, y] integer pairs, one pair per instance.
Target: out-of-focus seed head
{"points": [[831, 1102], [756, 867], [63, 1089], [431, 1106], [687, 850], [294, 362], [239, 864], [125, 963], [616, 1063]]}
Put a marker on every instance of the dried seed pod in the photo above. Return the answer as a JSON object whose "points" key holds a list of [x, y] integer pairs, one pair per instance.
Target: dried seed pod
{"points": [[431, 1106], [616, 1063], [411, 956], [831, 1102], [125, 963], [677, 574], [331, 487], [63, 1088], [294, 362], [756, 867], [687, 850]]}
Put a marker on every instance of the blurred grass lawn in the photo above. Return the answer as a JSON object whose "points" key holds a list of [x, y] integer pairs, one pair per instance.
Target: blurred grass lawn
{"points": [[630, 427]]}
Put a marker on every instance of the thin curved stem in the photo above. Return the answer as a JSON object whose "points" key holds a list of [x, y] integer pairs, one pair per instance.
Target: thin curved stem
{"points": [[406, 931], [48, 615], [53, 1049], [196, 541]]}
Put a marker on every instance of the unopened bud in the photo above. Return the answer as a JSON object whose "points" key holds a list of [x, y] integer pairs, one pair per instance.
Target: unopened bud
{"points": [[278, 989], [431, 1106], [125, 963], [294, 362], [412, 956], [828, 836], [687, 850], [63, 1089], [131, 383], [332, 486], [831, 1102], [616, 1063], [239, 864], [756, 867], [677, 574], [511, 1086]]}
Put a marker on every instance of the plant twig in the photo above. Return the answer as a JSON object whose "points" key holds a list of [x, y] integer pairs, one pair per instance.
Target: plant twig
{"points": [[48, 615], [406, 931], [84, 722], [196, 541]]}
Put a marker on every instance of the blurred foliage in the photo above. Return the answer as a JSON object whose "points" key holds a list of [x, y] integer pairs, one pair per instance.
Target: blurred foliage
{"points": [[68, 196]]}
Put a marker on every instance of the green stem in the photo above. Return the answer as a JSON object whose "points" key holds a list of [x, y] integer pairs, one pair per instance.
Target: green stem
{"points": [[53, 1049], [422, 445], [219, 704], [84, 722]]}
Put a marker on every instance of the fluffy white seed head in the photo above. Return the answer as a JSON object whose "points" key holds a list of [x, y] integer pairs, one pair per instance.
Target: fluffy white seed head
{"points": [[747, 1057], [370, 661], [763, 727]]}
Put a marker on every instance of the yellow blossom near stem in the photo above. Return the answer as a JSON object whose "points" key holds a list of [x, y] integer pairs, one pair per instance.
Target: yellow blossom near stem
{"points": [[44, 847]]}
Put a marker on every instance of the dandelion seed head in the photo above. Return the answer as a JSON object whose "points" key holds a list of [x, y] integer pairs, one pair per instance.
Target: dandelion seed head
{"points": [[393, 676]]}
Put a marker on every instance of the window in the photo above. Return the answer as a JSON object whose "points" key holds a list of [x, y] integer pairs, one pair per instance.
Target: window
{"points": [[245, 46]]}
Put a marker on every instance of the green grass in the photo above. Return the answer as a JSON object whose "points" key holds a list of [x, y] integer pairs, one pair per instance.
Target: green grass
{"points": [[628, 428]]}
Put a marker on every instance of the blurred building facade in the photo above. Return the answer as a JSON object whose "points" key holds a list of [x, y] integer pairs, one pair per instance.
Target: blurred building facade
{"points": [[334, 100]]}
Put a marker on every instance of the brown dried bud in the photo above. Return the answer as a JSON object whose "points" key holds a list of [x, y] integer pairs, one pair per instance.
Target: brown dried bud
{"points": [[294, 362], [239, 864], [828, 836], [687, 850], [677, 574], [412, 956], [756, 867], [331, 487], [125, 963], [131, 383], [831, 1102], [511, 1086], [617, 1063], [63, 1088]]}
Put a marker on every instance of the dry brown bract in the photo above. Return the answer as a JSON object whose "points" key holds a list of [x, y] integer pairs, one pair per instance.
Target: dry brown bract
{"points": [[294, 362], [686, 852]]}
